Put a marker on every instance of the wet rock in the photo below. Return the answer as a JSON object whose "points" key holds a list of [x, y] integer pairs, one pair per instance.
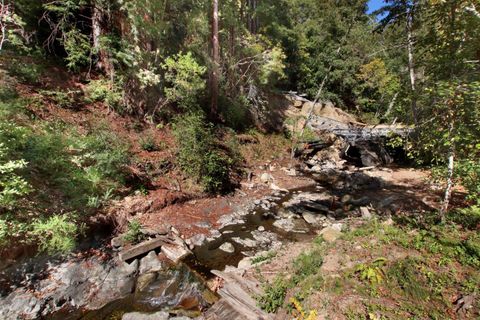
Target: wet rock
{"points": [[118, 283], [145, 280], [363, 201], [230, 220], [145, 316], [330, 234], [249, 243], [227, 247], [266, 239], [150, 263]]}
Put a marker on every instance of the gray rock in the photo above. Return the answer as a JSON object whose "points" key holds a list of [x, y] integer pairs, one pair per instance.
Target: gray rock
{"points": [[312, 218], [176, 251], [261, 228], [266, 178], [227, 247], [330, 234], [197, 240], [291, 225], [117, 242], [145, 316], [365, 213], [150, 263], [249, 243]]}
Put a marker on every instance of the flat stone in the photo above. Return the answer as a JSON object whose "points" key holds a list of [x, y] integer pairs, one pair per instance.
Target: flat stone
{"points": [[311, 218], [145, 316], [330, 234], [227, 247], [176, 251], [140, 249], [249, 243]]}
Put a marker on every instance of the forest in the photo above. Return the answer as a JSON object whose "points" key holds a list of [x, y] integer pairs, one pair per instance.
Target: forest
{"points": [[127, 125]]}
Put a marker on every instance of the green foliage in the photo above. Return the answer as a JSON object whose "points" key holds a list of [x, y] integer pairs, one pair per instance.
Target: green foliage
{"points": [[149, 144], [307, 264], [235, 112], [274, 295], [57, 233], [26, 72], [134, 233], [408, 277], [103, 90], [71, 99], [183, 75], [372, 272], [468, 217], [199, 154], [78, 48], [12, 186], [265, 257]]}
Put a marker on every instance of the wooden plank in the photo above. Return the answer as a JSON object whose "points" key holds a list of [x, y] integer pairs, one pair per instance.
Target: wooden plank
{"points": [[237, 296], [141, 248]]}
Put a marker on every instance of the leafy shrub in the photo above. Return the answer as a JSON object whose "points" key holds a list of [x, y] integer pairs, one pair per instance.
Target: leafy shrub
{"points": [[184, 80], [134, 233], [273, 295], [149, 144], [12, 186], [57, 233], [72, 99], [468, 217], [81, 166], [235, 113], [199, 154], [25, 72], [103, 90]]}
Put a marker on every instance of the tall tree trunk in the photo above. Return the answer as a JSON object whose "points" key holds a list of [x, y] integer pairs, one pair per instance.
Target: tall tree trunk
{"points": [[451, 167], [215, 60], [104, 62], [411, 63]]}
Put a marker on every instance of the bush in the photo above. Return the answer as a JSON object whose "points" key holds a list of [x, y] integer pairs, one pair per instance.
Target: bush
{"points": [[57, 233], [273, 295], [149, 144], [29, 73], [72, 99], [12, 186], [468, 217], [134, 234], [184, 80], [235, 113], [199, 154], [104, 91]]}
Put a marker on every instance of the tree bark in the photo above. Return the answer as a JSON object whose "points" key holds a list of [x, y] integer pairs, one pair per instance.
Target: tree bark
{"points": [[103, 59], [451, 167], [411, 63], [215, 60]]}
